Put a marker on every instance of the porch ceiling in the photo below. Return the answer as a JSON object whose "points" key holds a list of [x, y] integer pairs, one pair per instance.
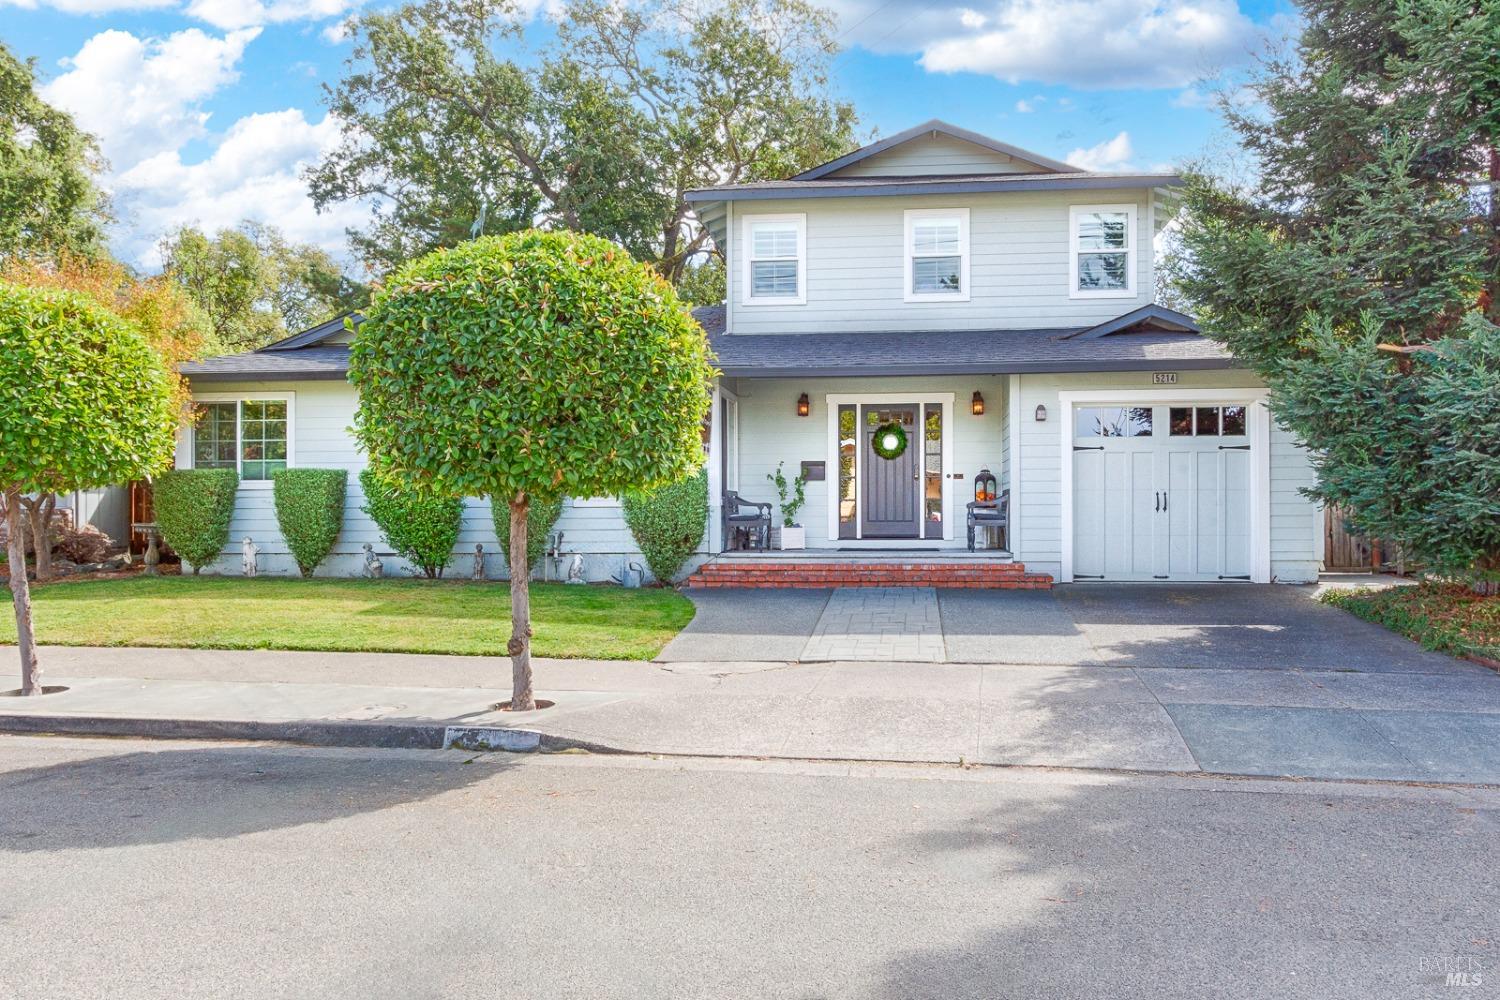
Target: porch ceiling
{"points": [[978, 352]]}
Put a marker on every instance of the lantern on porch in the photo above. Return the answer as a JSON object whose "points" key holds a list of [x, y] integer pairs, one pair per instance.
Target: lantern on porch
{"points": [[984, 486]]}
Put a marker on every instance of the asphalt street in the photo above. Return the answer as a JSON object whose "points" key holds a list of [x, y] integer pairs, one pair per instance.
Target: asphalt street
{"points": [[136, 869]]}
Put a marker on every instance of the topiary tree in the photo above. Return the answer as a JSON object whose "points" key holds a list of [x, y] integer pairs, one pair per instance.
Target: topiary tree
{"points": [[310, 510], [84, 402], [668, 523], [193, 508], [541, 515], [421, 527], [530, 367]]}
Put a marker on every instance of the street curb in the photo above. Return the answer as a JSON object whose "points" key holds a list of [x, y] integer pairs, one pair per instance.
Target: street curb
{"points": [[377, 735]]}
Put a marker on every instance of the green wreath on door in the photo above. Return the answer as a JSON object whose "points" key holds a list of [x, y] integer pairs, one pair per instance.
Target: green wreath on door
{"points": [[889, 441]]}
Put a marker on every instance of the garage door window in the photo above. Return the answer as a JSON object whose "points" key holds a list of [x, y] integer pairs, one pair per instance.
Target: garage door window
{"points": [[1114, 421], [1206, 421]]}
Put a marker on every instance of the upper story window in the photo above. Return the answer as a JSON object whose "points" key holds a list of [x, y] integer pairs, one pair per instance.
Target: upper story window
{"points": [[775, 260], [1102, 251], [937, 255], [251, 435]]}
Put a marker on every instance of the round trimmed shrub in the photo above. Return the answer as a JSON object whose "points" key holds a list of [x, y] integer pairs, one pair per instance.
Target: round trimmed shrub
{"points": [[310, 510], [668, 523], [421, 528], [193, 508], [541, 515]]}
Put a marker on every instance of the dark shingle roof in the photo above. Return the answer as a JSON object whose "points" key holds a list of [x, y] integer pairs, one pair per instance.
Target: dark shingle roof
{"points": [[989, 352], [986, 352], [300, 364]]}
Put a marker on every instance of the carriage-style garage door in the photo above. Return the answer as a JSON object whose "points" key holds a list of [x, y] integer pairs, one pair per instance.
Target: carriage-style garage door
{"points": [[1162, 491]]}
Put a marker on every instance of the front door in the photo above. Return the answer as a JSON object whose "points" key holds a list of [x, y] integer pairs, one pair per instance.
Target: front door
{"points": [[891, 507]]}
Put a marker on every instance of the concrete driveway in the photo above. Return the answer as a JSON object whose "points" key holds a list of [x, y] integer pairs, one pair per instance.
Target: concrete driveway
{"points": [[1222, 627]]}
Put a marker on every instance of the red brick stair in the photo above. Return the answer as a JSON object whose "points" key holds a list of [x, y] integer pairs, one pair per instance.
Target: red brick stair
{"points": [[916, 572]]}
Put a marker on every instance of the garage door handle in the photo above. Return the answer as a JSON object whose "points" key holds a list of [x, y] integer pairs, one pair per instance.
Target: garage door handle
{"points": [[1158, 501], [1164, 501], [1234, 447]]}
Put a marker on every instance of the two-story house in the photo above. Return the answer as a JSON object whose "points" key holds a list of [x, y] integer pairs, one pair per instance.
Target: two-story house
{"points": [[897, 321]]}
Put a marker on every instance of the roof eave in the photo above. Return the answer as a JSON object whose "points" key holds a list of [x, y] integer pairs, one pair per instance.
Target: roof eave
{"points": [[836, 189], [982, 368], [916, 131], [266, 376]]}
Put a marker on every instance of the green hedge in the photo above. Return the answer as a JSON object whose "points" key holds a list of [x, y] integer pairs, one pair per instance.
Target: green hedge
{"points": [[310, 511], [668, 523], [193, 508], [541, 516], [422, 529]]}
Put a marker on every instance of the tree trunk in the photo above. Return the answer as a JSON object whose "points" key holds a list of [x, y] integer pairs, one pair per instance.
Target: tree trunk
{"points": [[20, 591], [40, 511], [1493, 284], [519, 646]]}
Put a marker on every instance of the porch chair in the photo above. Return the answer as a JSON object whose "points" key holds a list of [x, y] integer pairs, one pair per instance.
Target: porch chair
{"points": [[747, 521], [991, 514]]}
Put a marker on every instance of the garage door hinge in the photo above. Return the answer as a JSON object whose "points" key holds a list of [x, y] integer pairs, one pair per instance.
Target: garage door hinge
{"points": [[1087, 447], [1234, 447]]}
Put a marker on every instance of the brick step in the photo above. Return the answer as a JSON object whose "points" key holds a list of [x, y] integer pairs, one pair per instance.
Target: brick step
{"points": [[998, 576]]}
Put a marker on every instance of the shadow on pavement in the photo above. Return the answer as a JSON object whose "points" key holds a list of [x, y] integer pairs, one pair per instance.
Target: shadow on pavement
{"points": [[158, 797]]}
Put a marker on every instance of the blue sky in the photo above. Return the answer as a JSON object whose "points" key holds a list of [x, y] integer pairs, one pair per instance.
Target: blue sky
{"points": [[208, 109]]}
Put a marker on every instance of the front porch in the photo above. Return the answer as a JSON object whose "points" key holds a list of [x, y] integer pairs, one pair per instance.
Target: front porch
{"points": [[890, 464], [832, 567]]}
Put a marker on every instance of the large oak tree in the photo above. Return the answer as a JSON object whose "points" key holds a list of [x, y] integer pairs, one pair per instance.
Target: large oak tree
{"points": [[456, 125]]}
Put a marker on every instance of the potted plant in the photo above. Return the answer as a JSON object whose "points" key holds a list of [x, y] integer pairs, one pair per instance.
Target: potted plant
{"points": [[790, 535]]}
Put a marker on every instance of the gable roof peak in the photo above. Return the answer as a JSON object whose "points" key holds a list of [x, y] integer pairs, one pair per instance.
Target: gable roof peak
{"points": [[936, 126]]}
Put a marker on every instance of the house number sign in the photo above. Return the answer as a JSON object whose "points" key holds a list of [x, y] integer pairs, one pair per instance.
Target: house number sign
{"points": [[1163, 378]]}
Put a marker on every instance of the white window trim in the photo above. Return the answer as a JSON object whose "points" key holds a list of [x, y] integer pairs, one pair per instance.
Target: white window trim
{"points": [[747, 226], [289, 398], [915, 215], [1076, 211]]}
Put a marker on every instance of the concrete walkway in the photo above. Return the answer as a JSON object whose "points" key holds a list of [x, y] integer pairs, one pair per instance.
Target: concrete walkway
{"points": [[1405, 724], [1211, 626]]}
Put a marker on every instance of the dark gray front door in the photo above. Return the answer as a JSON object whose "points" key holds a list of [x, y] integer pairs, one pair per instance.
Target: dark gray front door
{"points": [[889, 502]]}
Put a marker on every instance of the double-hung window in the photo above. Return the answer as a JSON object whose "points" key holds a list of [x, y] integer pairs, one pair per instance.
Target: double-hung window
{"points": [[775, 260], [937, 255], [1101, 258], [251, 435]]}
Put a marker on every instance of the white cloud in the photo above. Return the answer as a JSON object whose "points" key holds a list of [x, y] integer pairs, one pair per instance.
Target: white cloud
{"points": [[1083, 43], [1027, 105], [1111, 154], [141, 95], [336, 33], [223, 14], [248, 13], [91, 6], [255, 173]]}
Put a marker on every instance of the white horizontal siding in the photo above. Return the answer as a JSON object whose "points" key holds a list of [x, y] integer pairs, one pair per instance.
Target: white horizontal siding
{"points": [[322, 415], [1019, 254], [936, 155]]}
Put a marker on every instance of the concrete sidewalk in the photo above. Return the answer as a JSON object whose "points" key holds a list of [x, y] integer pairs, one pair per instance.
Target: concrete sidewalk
{"points": [[1438, 727]]}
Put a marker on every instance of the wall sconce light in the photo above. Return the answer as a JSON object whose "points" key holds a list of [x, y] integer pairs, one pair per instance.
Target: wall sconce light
{"points": [[1041, 414], [803, 407], [977, 405]]}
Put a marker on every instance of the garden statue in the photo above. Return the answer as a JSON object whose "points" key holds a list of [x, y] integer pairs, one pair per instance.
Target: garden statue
{"points": [[478, 561], [248, 551], [575, 568], [374, 568]]}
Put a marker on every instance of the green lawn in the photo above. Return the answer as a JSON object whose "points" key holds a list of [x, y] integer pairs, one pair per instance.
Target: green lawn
{"points": [[398, 616], [1445, 618]]}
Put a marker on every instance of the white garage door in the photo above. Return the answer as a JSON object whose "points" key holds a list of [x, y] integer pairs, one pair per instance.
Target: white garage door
{"points": [[1161, 492]]}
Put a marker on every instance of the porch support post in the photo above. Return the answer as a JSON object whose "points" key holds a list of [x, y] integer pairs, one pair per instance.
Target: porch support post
{"points": [[1013, 473], [715, 472]]}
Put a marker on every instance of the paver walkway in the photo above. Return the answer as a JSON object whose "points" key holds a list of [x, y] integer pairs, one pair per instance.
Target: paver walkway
{"points": [[878, 623]]}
